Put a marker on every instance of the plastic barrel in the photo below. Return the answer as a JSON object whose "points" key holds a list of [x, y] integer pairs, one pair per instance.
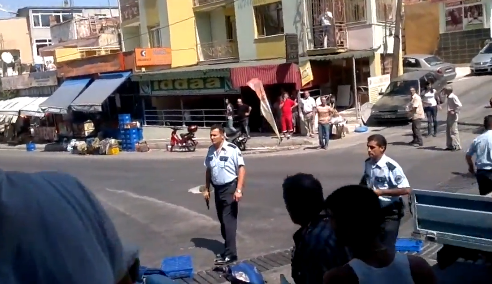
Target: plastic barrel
{"points": [[30, 147]]}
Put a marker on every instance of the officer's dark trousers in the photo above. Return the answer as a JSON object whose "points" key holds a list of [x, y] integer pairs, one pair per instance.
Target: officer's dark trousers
{"points": [[391, 225], [227, 210], [484, 180]]}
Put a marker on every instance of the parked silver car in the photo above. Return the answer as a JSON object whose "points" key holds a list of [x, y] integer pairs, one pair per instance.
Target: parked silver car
{"points": [[427, 62], [482, 62]]}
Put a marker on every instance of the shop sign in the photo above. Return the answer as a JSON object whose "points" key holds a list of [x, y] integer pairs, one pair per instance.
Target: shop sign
{"points": [[291, 49], [129, 10], [376, 85], [306, 72], [43, 79], [152, 56], [187, 86], [463, 15]]}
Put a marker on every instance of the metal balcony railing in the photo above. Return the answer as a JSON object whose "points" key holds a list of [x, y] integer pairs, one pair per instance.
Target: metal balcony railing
{"points": [[218, 50], [197, 3], [329, 37], [183, 117]]}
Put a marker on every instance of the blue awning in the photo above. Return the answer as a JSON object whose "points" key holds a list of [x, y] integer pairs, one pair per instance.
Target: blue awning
{"points": [[92, 98], [61, 99]]}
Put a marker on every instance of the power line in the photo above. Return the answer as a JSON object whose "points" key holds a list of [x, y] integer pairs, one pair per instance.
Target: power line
{"points": [[139, 35]]}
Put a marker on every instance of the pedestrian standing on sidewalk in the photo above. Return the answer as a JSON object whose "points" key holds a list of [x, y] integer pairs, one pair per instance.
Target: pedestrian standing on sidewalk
{"points": [[226, 172], [308, 105], [430, 101], [286, 106], [324, 126], [416, 111], [243, 111], [481, 147], [230, 115], [356, 216], [385, 176], [454, 107]]}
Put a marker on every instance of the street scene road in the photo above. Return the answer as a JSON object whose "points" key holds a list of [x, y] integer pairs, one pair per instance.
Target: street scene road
{"points": [[147, 194]]}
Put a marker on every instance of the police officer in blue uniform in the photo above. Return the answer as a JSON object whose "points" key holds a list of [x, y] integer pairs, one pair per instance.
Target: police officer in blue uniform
{"points": [[226, 172], [481, 147], [385, 176]]}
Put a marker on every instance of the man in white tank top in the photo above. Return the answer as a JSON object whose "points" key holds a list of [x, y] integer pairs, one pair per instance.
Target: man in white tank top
{"points": [[356, 216]]}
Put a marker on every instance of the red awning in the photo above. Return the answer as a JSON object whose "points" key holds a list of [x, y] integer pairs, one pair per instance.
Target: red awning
{"points": [[286, 73]]}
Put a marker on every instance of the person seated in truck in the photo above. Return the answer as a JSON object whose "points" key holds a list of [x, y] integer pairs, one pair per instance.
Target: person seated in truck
{"points": [[356, 217], [316, 249], [54, 230]]}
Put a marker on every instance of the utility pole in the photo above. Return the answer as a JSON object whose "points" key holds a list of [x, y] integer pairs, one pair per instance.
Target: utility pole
{"points": [[396, 40]]}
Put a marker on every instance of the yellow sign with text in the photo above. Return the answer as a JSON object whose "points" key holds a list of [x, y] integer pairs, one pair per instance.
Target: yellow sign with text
{"points": [[306, 72]]}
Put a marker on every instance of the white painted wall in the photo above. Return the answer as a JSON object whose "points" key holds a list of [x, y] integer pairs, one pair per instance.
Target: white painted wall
{"points": [[203, 28], [360, 37], [131, 35], [379, 36], [294, 21], [217, 25], [245, 26], [164, 23], [144, 33]]}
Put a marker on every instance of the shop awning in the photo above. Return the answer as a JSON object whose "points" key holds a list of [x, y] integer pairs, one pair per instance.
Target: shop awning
{"points": [[269, 74], [92, 98], [61, 99], [32, 109], [13, 106]]}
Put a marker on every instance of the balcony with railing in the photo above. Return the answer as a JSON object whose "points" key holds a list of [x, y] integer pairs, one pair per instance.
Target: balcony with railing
{"points": [[218, 52], [327, 30], [209, 5]]}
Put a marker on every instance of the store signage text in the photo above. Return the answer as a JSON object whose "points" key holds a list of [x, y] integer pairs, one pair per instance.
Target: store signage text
{"points": [[191, 85]]}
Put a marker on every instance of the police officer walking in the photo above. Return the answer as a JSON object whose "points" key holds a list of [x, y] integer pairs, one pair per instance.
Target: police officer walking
{"points": [[385, 176], [226, 172], [481, 147]]}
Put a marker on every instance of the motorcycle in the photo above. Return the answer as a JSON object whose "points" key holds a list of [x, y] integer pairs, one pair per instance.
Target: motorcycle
{"points": [[184, 141], [237, 138]]}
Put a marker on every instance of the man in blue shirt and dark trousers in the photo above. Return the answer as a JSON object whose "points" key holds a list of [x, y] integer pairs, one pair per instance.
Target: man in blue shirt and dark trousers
{"points": [[481, 148], [226, 172]]}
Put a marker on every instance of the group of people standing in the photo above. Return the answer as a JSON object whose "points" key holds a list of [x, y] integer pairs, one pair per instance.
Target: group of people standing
{"points": [[427, 104]]}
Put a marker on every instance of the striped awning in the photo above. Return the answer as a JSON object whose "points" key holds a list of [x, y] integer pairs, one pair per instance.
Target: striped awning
{"points": [[285, 73]]}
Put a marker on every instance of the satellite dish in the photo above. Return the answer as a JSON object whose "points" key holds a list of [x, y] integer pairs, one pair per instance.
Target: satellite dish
{"points": [[7, 57]]}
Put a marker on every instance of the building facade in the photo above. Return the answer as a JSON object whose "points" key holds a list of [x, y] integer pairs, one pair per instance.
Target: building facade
{"points": [[38, 19], [14, 36]]}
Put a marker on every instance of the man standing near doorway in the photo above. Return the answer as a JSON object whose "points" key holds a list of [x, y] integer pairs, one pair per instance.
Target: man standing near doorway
{"points": [[454, 106], [243, 111], [230, 115], [308, 109], [417, 114], [324, 126]]}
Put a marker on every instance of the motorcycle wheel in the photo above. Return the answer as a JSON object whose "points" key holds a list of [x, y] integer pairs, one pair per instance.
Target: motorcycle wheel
{"points": [[241, 146], [191, 146]]}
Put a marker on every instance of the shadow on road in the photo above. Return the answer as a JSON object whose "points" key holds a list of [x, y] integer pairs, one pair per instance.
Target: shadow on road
{"points": [[433, 148], [212, 245]]}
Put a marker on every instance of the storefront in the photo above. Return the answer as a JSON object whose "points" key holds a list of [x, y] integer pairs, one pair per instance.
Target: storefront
{"points": [[198, 101]]}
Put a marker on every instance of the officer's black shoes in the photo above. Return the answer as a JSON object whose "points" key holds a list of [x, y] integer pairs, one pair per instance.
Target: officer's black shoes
{"points": [[226, 260], [219, 257]]}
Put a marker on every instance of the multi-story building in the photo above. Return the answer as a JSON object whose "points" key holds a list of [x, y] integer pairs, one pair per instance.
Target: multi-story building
{"points": [[38, 19], [14, 36]]}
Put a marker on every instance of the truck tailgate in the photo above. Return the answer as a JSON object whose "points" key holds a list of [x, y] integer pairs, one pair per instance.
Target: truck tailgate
{"points": [[454, 219]]}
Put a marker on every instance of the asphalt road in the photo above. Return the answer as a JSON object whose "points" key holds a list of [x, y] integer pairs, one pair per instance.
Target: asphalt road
{"points": [[149, 202]]}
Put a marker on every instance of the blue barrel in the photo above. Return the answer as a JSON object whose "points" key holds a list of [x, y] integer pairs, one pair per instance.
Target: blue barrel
{"points": [[30, 147]]}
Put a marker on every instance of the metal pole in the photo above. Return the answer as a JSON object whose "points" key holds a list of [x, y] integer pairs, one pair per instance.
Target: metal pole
{"points": [[357, 109], [397, 41], [121, 40]]}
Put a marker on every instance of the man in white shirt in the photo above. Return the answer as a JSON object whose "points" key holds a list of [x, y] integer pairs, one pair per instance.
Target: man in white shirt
{"points": [[454, 107], [326, 20], [416, 111], [308, 106]]}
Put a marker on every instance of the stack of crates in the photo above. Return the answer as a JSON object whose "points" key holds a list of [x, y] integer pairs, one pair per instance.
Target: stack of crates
{"points": [[129, 136]]}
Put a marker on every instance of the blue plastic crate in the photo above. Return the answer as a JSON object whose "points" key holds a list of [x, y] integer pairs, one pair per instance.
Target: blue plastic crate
{"points": [[177, 266], [130, 141], [128, 145], [131, 136], [409, 245], [124, 116]]}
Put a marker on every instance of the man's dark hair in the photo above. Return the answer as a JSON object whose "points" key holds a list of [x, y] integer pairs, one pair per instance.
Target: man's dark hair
{"points": [[218, 127], [303, 195], [356, 211], [379, 139], [487, 122]]}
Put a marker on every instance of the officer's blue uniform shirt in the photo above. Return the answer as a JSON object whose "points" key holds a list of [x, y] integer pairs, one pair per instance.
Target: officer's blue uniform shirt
{"points": [[225, 165], [481, 147], [385, 174]]}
